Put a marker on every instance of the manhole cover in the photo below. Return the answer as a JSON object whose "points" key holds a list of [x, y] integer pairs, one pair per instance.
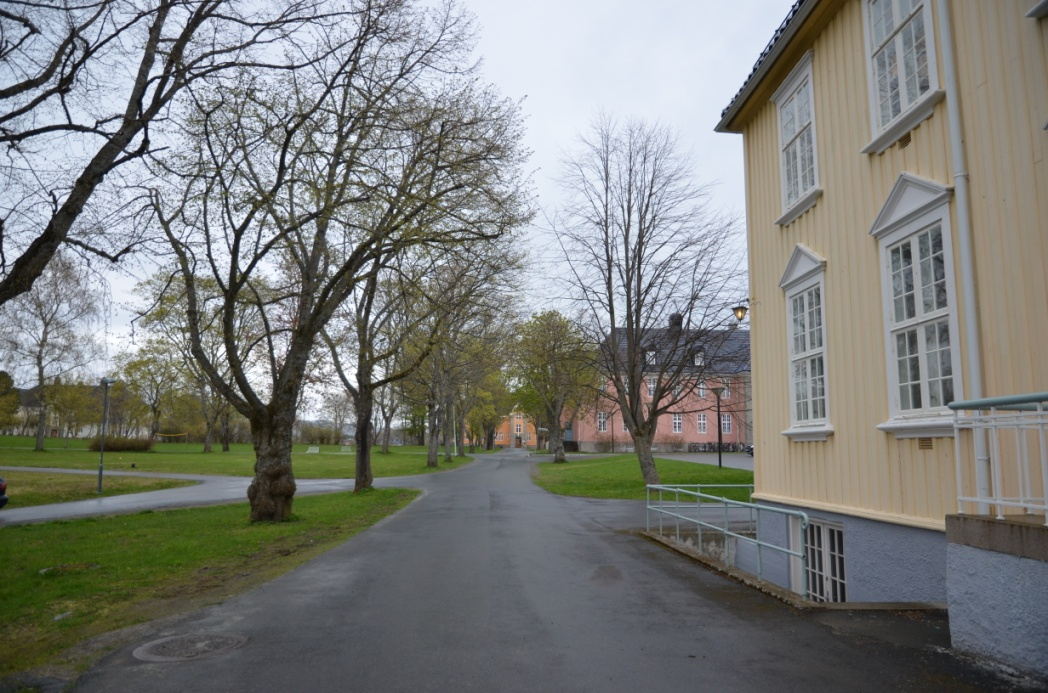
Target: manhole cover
{"points": [[181, 648]]}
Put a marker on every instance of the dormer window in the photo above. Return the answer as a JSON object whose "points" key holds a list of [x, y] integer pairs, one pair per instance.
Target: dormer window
{"points": [[698, 359]]}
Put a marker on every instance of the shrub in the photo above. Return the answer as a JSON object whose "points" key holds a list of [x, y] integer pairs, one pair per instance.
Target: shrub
{"points": [[114, 444]]}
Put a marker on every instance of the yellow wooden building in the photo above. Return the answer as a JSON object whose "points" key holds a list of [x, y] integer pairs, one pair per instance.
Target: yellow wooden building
{"points": [[897, 215]]}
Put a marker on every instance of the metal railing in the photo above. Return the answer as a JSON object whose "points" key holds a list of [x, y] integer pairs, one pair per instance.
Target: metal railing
{"points": [[1008, 479], [692, 504]]}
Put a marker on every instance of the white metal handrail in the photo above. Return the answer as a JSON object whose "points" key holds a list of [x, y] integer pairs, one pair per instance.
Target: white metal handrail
{"points": [[1025, 417], [667, 502]]}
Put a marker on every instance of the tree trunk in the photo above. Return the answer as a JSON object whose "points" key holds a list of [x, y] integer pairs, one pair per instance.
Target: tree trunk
{"points": [[364, 402], [207, 436], [273, 489], [556, 442], [647, 461], [460, 449], [433, 451], [225, 431], [41, 423]]}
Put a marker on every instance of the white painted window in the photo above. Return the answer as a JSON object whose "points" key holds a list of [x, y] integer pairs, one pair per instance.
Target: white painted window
{"points": [[726, 392], [625, 428], [498, 436], [920, 315], [697, 359], [518, 429], [519, 416], [702, 390], [602, 422], [807, 359], [920, 321], [725, 423], [901, 55], [805, 293], [651, 386], [798, 156], [825, 550], [678, 423], [701, 423]]}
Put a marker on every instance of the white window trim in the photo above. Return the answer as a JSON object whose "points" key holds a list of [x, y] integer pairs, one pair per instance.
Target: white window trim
{"points": [[725, 419], [805, 270], [919, 110], [678, 423], [801, 72], [913, 205], [602, 422], [701, 423]]}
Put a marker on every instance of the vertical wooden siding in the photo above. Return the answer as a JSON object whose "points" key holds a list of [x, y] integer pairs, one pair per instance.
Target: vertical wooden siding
{"points": [[1004, 96]]}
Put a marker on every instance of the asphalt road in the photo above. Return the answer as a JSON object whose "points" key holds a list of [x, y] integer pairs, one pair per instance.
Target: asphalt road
{"points": [[487, 583]]}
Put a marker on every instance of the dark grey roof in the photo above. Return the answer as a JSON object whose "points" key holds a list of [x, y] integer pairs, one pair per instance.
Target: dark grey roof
{"points": [[725, 352], [778, 36]]}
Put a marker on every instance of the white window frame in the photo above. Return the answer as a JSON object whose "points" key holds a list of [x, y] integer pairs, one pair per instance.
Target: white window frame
{"points": [[602, 422], [678, 423], [913, 109], [625, 428], [914, 206], [827, 567], [700, 423], [702, 389], [806, 271], [651, 385], [725, 423], [797, 85], [518, 430]]}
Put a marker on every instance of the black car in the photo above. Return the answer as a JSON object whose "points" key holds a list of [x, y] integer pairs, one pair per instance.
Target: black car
{"points": [[3, 492], [749, 449]]}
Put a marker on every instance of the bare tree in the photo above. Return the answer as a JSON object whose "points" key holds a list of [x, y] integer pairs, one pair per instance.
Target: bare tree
{"points": [[292, 187], [84, 88], [46, 331], [650, 268]]}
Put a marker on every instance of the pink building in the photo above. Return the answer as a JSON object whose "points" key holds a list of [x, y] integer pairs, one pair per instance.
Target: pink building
{"points": [[692, 424]]}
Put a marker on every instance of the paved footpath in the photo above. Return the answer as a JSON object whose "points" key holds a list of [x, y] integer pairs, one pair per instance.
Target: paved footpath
{"points": [[487, 583]]}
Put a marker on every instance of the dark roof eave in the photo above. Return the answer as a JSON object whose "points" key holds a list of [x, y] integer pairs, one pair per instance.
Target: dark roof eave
{"points": [[782, 37]]}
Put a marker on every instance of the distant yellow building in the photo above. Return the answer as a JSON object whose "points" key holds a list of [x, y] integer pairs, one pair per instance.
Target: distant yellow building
{"points": [[897, 213]]}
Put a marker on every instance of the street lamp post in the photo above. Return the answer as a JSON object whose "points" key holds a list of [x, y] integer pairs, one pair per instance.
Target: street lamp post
{"points": [[717, 391], [106, 382]]}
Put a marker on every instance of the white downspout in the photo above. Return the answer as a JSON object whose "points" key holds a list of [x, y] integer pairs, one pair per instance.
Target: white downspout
{"points": [[967, 261]]}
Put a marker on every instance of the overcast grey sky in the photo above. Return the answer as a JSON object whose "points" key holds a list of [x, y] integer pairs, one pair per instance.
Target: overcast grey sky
{"points": [[675, 61]]}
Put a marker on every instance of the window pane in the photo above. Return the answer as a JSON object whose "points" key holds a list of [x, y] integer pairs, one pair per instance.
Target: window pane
{"points": [[909, 369], [881, 20], [789, 120], [902, 282], [799, 342], [814, 319]]}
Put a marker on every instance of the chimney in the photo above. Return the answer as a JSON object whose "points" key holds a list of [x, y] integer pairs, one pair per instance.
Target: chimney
{"points": [[676, 322]]}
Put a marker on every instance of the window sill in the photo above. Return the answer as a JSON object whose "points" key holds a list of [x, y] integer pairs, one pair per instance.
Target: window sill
{"points": [[800, 207], [933, 426], [905, 122], [808, 434]]}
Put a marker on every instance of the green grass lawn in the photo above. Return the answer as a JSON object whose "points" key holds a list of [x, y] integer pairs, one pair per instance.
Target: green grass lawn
{"points": [[64, 582], [619, 477], [25, 489], [177, 458]]}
